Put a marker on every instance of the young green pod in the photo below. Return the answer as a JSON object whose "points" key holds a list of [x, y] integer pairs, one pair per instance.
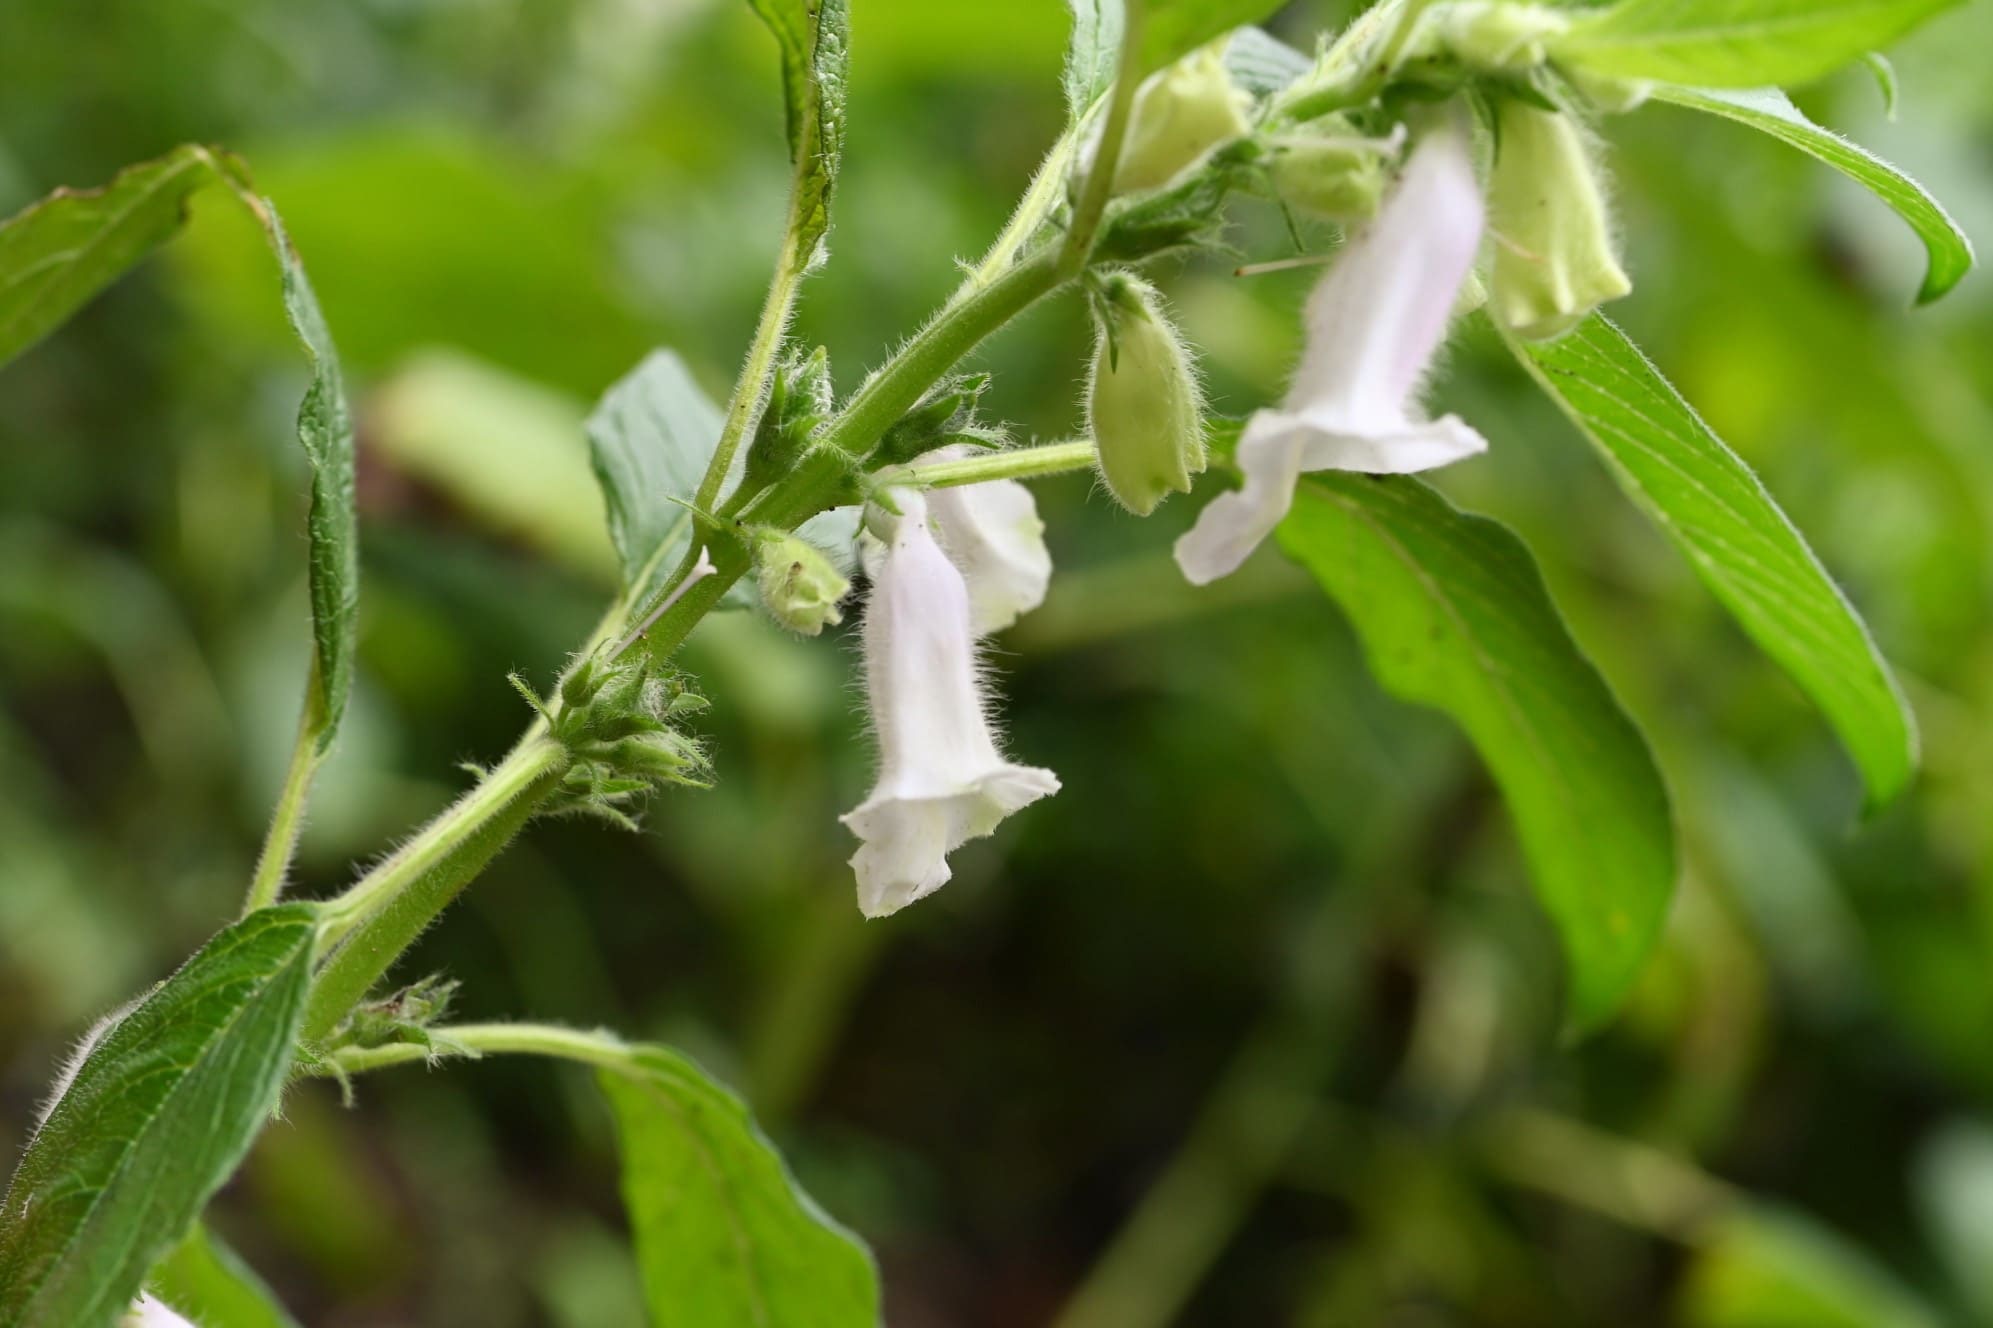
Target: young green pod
{"points": [[1555, 260], [799, 585], [1181, 114], [1143, 403]]}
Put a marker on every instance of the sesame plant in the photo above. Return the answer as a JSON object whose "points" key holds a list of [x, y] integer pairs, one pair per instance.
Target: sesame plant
{"points": [[1458, 148]]}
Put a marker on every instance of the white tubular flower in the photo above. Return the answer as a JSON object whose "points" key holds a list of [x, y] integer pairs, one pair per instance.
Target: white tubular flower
{"points": [[941, 780], [1375, 322], [991, 531], [146, 1312]]}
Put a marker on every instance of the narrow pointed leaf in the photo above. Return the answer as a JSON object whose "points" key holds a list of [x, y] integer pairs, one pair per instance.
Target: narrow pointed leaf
{"points": [[1736, 43], [325, 428], [63, 250], [1771, 111], [1173, 28], [209, 1283], [1454, 614], [1092, 52], [723, 1233], [1735, 536], [815, 41], [157, 1116]]}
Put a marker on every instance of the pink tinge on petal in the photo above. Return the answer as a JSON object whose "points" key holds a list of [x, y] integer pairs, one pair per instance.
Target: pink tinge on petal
{"points": [[1380, 313]]}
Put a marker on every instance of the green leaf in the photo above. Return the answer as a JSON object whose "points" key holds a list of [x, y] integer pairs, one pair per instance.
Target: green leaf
{"points": [[650, 438], [162, 1108], [815, 41], [1172, 28], [208, 1282], [1093, 51], [1771, 111], [1767, 1267], [1263, 64], [1453, 613], [59, 253], [63, 250], [1735, 536], [723, 1233], [1735, 43], [325, 427]]}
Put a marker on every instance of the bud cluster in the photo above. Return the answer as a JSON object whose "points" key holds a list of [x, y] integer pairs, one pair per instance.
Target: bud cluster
{"points": [[616, 718]]}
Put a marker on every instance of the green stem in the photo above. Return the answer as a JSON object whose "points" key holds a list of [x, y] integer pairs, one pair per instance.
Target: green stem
{"points": [[1038, 203], [1018, 463], [590, 1047], [823, 478], [744, 408], [280, 843], [391, 905], [1099, 186]]}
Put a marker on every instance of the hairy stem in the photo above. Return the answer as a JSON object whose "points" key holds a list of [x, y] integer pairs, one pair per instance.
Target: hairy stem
{"points": [[1017, 463], [589, 1046], [1099, 186], [383, 913], [280, 843], [824, 476]]}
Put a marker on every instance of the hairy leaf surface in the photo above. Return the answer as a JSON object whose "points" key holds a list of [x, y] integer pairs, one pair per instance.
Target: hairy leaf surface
{"points": [[160, 1111]]}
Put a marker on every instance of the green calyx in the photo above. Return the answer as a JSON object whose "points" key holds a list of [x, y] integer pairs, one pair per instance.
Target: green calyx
{"points": [[1181, 114], [799, 585], [617, 719], [1555, 257], [1143, 403]]}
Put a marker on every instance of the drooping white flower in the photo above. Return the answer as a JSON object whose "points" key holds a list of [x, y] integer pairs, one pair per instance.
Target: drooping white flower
{"points": [[146, 1312], [1374, 323], [941, 780], [991, 532]]}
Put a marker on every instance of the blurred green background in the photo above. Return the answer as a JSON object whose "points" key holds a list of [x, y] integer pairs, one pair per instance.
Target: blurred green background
{"points": [[1255, 1022]]}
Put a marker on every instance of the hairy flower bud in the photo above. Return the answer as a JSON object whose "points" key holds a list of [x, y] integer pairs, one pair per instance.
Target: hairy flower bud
{"points": [[1495, 36], [1336, 176], [1143, 405], [799, 584], [1554, 256], [1180, 114]]}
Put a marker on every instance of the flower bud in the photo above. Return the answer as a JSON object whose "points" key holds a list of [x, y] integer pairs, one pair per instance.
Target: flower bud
{"points": [[1554, 256], [798, 583], [1180, 114], [1143, 404], [1493, 36], [1338, 177]]}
